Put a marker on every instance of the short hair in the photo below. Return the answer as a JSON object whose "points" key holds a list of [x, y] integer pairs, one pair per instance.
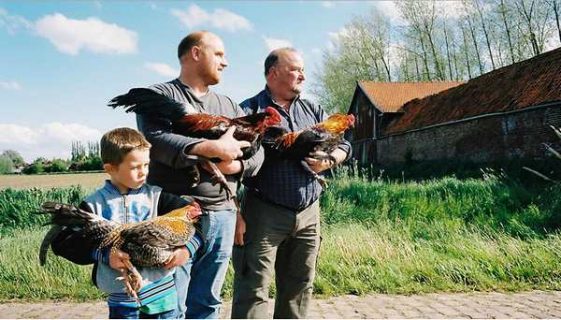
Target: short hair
{"points": [[191, 40], [273, 58], [117, 143]]}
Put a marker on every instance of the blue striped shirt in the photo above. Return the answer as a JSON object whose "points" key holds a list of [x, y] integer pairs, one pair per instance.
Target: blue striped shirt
{"points": [[285, 182]]}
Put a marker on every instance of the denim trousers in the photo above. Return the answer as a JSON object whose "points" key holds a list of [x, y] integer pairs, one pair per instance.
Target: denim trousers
{"points": [[199, 282], [134, 313]]}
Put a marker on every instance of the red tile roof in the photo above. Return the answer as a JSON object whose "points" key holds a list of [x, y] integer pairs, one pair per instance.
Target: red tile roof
{"points": [[391, 96], [524, 84]]}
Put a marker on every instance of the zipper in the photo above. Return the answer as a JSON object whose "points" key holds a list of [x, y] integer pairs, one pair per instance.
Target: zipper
{"points": [[126, 208]]}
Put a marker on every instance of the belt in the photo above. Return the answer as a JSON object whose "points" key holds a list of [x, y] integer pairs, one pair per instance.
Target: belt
{"points": [[260, 196]]}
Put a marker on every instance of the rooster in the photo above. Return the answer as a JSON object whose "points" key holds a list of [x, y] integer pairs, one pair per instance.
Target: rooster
{"points": [[317, 141], [187, 122], [149, 243]]}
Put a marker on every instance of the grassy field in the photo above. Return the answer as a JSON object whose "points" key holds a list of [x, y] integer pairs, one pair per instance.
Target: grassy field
{"points": [[382, 236], [86, 180]]}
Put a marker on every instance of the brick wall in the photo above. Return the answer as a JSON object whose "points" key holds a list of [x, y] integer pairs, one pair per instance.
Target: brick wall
{"points": [[487, 138]]}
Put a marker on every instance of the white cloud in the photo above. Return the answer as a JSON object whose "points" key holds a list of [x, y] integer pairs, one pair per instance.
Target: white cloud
{"points": [[13, 23], [316, 51], [328, 4], [552, 42], [16, 134], [10, 85], [273, 43], [161, 69], [51, 140], [335, 37], [452, 9], [389, 9], [70, 36], [222, 19]]}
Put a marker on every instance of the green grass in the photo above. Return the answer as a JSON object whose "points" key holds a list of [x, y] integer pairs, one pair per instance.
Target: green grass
{"points": [[391, 258], [22, 278], [492, 203], [383, 236]]}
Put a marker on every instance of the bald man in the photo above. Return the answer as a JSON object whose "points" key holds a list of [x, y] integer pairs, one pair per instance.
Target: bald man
{"points": [[202, 59]]}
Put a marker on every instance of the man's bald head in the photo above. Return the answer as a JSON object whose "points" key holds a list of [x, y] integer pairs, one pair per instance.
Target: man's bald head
{"points": [[273, 57], [193, 39]]}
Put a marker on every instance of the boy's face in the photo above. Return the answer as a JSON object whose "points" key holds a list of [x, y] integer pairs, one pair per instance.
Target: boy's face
{"points": [[131, 172]]}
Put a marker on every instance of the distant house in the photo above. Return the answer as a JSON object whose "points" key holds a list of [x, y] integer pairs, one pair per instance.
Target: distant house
{"points": [[504, 114], [375, 104]]}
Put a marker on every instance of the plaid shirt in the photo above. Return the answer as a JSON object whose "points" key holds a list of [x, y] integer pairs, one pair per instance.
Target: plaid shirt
{"points": [[285, 182]]}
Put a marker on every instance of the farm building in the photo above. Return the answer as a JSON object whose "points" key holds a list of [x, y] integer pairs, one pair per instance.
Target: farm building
{"points": [[376, 104], [503, 114]]}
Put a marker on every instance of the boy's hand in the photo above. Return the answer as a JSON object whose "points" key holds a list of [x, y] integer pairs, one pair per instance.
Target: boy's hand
{"points": [[118, 259], [179, 257]]}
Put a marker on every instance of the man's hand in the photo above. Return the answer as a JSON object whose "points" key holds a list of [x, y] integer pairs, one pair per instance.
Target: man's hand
{"points": [[328, 161], [319, 165], [240, 230], [118, 259], [179, 257], [227, 148]]}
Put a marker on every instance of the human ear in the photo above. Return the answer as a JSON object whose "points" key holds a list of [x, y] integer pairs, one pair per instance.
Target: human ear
{"points": [[196, 52], [108, 168]]}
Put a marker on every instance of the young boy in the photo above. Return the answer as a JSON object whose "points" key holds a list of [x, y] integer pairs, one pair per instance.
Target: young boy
{"points": [[125, 198]]}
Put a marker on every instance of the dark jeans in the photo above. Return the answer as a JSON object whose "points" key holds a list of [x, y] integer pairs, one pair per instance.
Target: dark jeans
{"points": [[199, 282], [134, 313], [280, 240]]}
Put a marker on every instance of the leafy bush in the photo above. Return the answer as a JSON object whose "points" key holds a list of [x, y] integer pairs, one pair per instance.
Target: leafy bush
{"points": [[34, 168], [495, 202], [17, 207], [89, 164], [14, 156], [57, 165], [6, 165]]}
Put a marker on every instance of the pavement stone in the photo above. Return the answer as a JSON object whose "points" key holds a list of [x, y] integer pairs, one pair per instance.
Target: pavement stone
{"points": [[534, 304]]}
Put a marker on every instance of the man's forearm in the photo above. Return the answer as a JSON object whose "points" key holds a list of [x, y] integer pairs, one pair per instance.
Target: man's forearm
{"points": [[204, 148]]}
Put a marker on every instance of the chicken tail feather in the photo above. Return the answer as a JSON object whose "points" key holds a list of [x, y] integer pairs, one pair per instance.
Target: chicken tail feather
{"points": [[148, 102], [51, 234], [67, 215]]}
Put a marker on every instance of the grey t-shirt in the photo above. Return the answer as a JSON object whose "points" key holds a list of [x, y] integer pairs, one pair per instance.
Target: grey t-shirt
{"points": [[169, 166]]}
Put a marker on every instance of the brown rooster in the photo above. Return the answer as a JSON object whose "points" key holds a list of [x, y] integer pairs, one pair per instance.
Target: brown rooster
{"points": [[187, 122], [317, 141], [149, 243]]}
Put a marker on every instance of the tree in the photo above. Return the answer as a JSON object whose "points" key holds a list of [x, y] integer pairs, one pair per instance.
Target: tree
{"points": [[504, 11], [78, 152], [57, 165], [556, 6], [36, 167], [433, 44], [422, 17], [14, 156], [536, 23], [360, 52], [6, 165]]}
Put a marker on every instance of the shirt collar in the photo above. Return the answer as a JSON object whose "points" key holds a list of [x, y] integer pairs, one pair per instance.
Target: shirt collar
{"points": [[109, 186], [270, 97], [188, 89]]}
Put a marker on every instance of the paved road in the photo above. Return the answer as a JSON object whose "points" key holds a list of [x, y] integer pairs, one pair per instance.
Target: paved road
{"points": [[535, 304]]}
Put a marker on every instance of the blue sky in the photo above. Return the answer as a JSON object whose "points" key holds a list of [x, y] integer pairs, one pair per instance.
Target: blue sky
{"points": [[61, 61]]}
